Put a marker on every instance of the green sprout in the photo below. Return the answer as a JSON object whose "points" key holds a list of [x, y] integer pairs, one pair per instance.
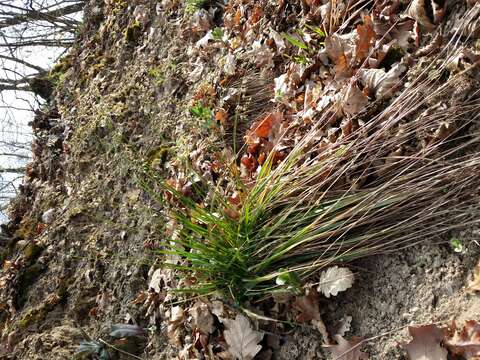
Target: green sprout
{"points": [[457, 245]]}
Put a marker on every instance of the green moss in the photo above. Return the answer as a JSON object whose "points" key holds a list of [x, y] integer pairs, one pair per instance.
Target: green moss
{"points": [[27, 229], [158, 157], [132, 33], [37, 315], [95, 69], [158, 75], [31, 252]]}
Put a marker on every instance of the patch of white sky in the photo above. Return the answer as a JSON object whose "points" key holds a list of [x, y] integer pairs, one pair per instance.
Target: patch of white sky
{"points": [[16, 107]]}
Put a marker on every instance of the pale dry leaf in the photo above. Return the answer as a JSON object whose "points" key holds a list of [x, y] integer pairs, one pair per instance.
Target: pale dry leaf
{"points": [[156, 281], [354, 100], [241, 338], [474, 284], [335, 280], [202, 318], [425, 344], [466, 342], [380, 82], [218, 308], [344, 325], [347, 349]]}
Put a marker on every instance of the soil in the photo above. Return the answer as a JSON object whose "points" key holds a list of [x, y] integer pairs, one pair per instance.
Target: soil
{"points": [[78, 253], [423, 284]]}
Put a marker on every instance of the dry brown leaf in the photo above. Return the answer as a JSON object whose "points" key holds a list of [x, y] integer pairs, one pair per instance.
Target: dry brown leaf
{"points": [[347, 349], [334, 280], [474, 284], [354, 100], [425, 344], [366, 37], [340, 48], [465, 343], [241, 338], [202, 318], [308, 306]]}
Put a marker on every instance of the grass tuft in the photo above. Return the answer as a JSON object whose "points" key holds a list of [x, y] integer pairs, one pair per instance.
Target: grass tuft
{"points": [[321, 206]]}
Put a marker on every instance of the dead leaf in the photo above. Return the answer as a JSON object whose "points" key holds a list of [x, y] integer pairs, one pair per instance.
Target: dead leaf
{"points": [[354, 100], [241, 338], [381, 83], [335, 280], [308, 306], [474, 284], [425, 344], [264, 127], [465, 343], [221, 116], [347, 349], [366, 36], [202, 318], [344, 325]]}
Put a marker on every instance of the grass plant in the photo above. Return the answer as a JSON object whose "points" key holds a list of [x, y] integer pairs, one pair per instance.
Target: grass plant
{"points": [[356, 198]]}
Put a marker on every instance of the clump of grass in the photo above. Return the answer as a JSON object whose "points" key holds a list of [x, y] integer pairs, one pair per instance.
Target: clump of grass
{"points": [[307, 213]]}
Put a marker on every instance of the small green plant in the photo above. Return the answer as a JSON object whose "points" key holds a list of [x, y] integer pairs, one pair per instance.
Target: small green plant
{"points": [[192, 6], [295, 41], [457, 245], [203, 113], [217, 33], [157, 75], [316, 30], [93, 348]]}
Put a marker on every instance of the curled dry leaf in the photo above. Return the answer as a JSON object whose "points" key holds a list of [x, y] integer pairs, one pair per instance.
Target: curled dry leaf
{"points": [[425, 344], [335, 280], [241, 338], [347, 349], [474, 284], [466, 342], [344, 325], [379, 82]]}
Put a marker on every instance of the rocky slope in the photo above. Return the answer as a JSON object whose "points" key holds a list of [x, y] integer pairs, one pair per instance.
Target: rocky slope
{"points": [[78, 255]]}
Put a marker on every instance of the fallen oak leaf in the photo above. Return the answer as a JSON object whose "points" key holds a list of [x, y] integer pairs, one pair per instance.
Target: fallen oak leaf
{"points": [[354, 100], [265, 126], [308, 306], [202, 318], [366, 36], [241, 338], [347, 349], [335, 280], [464, 343], [426, 343]]}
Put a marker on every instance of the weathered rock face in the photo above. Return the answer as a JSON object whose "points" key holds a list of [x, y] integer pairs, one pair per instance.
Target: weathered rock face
{"points": [[77, 255]]}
